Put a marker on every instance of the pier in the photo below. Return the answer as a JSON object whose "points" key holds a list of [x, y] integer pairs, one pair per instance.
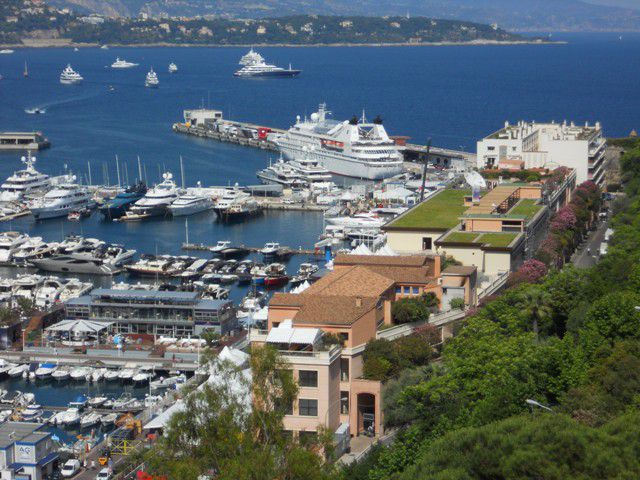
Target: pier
{"points": [[286, 251], [23, 141], [225, 137]]}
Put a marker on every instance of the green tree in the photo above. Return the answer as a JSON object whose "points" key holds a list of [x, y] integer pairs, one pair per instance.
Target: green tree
{"points": [[536, 308], [409, 310]]}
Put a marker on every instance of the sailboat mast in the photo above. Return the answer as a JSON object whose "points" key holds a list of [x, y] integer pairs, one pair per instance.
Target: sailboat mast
{"points": [[140, 169], [118, 173], [182, 171]]}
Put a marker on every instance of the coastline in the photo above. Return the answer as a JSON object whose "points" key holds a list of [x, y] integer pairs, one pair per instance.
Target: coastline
{"points": [[58, 43]]}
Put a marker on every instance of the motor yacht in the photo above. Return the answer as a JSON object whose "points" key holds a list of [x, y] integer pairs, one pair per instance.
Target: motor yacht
{"points": [[191, 203], [9, 244], [70, 417], [143, 375], [127, 373], [120, 64], [70, 77], [154, 267], [72, 264], [281, 173], [259, 68], [359, 220], [151, 80], [34, 247], [118, 206], [309, 170], [48, 293], [109, 419], [26, 286], [157, 200], [32, 413], [231, 196], [95, 402], [270, 249], [98, 374], [173, 68], [24, 182], [111, 375], [74, 288], [60, 201], [168, 382]]}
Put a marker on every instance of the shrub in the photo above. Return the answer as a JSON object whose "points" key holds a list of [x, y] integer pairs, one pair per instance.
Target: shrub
{"points": [[457, 303], [409, 310]]}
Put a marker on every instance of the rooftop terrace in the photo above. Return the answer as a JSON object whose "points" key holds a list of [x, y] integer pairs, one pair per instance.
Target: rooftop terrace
{"points": [[499, 240], [440, 212]]}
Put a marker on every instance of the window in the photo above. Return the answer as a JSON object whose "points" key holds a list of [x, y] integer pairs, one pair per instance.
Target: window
{"points": [[344, 369], [308, 378], [426, 243], [399, 290], [491, 149], [344, 403], [307, 407], [415, 290], [286, 409], [344, 338]]}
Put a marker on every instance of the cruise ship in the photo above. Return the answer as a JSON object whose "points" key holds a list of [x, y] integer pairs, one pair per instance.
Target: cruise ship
{"points": [[157, 200], [63, 199], [23, 182], [351, 148], [123, 64], [70, 77], [151, 80]]}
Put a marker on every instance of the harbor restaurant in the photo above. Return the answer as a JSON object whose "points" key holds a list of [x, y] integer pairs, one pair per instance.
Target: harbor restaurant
{"points": [[153, 312]]}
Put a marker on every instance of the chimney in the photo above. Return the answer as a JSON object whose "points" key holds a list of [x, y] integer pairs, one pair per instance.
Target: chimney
{"points": [[437, 265], [358, 302]]}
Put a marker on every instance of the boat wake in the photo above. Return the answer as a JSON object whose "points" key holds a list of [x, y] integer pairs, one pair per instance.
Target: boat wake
{"points": [[41, 109], [35, 110]]}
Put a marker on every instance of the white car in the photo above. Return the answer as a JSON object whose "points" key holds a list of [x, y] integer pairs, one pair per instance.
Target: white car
{"points": [[70, 468], [104, 474]]}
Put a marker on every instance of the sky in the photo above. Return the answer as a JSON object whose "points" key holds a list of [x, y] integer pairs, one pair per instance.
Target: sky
{"points": [[617, 3]]}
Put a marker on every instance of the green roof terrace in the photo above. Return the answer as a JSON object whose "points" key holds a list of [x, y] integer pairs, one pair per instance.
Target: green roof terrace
{"points": [[498, 240], [440, 212]]}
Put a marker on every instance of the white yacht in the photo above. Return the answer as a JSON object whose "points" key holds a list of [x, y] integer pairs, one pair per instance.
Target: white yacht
{"points": [[26, 286], [262, 69], [151, 81], [45, 370], [232, 196], [353, 148], [359, 220], [49, 292], [23, 182], [282, 173], [9, 244], [70, 77], [123, 64], [309, 170], [60, 201], [191, 203], [74, 288], [157, 200], [173, 68]]}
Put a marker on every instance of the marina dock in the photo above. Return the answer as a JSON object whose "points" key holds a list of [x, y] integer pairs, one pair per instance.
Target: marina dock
{"points": [[287, 252], [23, 141]]}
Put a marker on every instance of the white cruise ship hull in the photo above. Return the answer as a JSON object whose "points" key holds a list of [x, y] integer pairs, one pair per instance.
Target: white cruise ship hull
{"points": [[348, 167]]}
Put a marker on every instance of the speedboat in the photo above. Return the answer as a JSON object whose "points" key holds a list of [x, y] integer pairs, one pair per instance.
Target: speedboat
{"points": [[109, 419], [24, 182], [60, 201], [220, 246], [45, 370], [26, 286], [120, 64], [9, 244], [143, 375], [70, 417], [90, 419], [127, 373], [173, 68], [80, 373], [18, 370], [31, 413], [157, 200], [119, 205], [98, 374], [62, 373], [70, 77], [151, 80], [74, 288], [270, 249], [95, 402], [111, 375]]}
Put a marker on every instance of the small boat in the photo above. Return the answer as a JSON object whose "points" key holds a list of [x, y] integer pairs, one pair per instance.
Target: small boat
{"points": [[56, 419], [122, 401], [61, 374], [31, 413], [98, 374], [276, 280], [80, 402], [26, 70], [10, 398], [109, 419], [96, 401], [127, 373], [173, 68], [35, 111], [270, 249], [27, 399], [111, 375], [220, 246], [18, 370], [90, 419], [81, 373], [168, 382], [143, 375], [45, 370], [6, 51], [71, 417]]}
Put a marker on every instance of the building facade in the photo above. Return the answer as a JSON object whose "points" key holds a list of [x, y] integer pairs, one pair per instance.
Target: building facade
{"points": [[27, 451], [529, 145], [154, 312]]}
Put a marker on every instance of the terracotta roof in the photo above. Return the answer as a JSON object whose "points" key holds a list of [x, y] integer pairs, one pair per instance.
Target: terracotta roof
{"points": [[356, 281], [286, 300], [333, 310], [459, 270]]}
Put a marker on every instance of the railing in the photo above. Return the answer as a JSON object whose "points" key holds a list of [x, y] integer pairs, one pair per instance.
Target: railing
{"points": [[406, 329], [495, 285]]}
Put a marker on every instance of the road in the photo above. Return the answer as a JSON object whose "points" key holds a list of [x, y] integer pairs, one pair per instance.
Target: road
{"points": [[588, 253]]}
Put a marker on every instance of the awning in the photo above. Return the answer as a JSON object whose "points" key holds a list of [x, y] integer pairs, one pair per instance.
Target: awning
{"points": [[163, 418], [233, 355], [299, 336], [79, 326]]}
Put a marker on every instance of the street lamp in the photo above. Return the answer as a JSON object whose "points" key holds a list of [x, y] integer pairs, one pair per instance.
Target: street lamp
{"points": [[533, 403]]}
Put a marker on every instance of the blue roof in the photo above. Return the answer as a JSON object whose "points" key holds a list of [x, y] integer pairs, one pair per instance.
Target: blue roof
{"points": [[83, 300], [144, 294], [208, 304]]}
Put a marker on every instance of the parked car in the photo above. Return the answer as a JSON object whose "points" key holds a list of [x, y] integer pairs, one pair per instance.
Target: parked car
{"points": [[104, 474], [70, 468]]}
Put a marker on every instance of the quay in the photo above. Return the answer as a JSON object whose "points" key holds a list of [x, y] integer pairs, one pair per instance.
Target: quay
{"points": [[286, 251], [208, 123], [23, 141]]}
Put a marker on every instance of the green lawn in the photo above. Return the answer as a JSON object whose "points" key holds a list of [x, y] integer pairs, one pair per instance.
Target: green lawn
{"points": [[526, 207], [462, 237], [498, 239], [441, 211]]}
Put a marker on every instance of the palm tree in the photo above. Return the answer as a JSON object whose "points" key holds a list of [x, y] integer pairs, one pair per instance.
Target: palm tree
{"points": [[536, 307]]}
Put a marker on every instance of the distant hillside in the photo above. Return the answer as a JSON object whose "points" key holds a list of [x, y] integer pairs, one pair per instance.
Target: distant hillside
{"points": [[21, 22], [529, 15]]}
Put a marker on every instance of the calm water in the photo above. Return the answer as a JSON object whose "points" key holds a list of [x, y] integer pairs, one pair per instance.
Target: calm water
{"points": [[453, 94]]}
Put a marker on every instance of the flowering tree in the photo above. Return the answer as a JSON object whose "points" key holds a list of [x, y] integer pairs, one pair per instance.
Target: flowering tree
{"points": [[533, 270], [564, 219]]}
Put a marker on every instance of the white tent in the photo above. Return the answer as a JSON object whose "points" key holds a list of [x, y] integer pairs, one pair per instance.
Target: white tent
{"points": [[233, 355], [361, 249], [401, 194], [301, 288], [348, 196], [387, 251], [77, 327], [163, 418]]}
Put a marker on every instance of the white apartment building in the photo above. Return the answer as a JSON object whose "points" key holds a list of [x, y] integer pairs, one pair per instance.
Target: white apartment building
{"points": [[546, 145]]}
